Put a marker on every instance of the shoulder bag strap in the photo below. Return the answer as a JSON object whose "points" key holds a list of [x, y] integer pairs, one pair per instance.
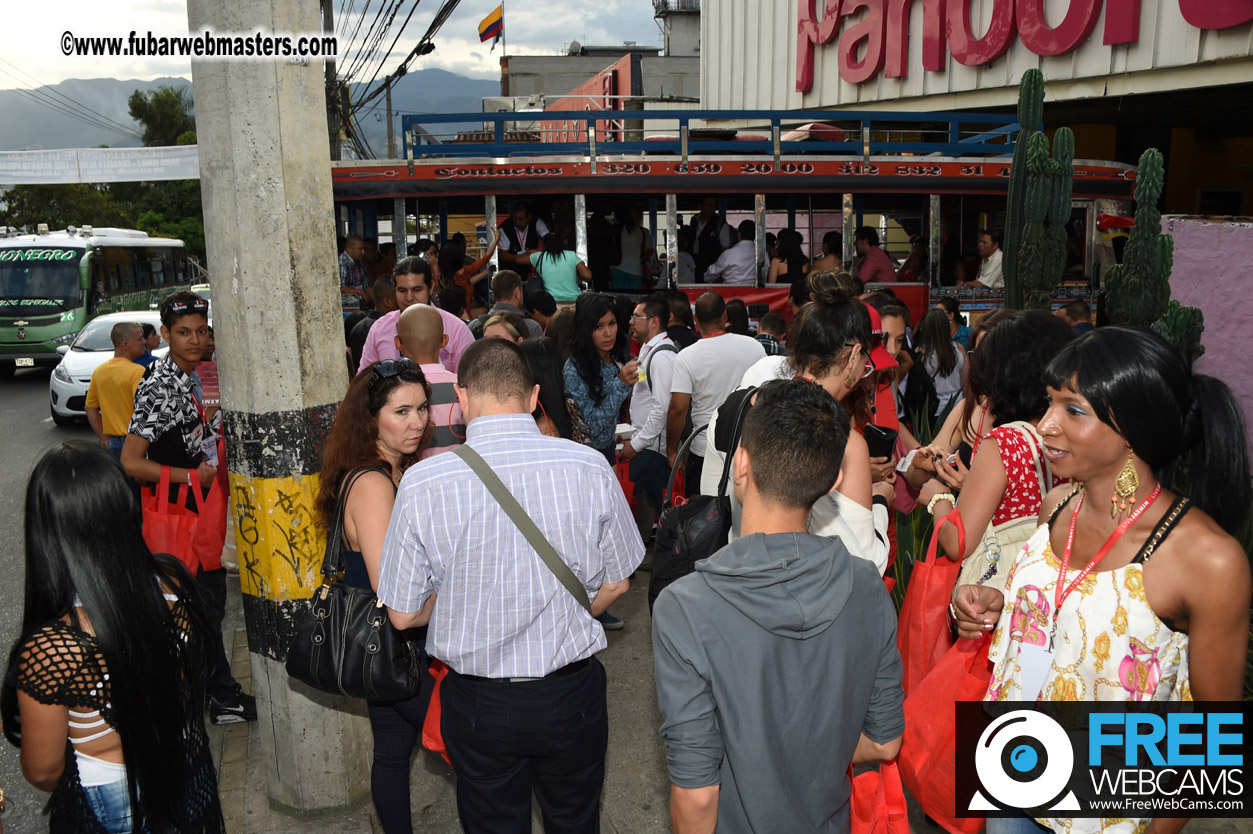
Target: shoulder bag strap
{"points": [[648, 363], [735, 439], [333, 560], [674, 471], [528, 527], [1042, 472]]}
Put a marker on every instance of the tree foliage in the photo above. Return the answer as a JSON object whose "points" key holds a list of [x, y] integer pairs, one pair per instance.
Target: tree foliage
{"points": [[166, 115], [64, 205]]}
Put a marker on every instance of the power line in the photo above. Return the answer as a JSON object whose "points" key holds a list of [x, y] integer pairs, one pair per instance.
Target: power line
{"points": [[374, 37], [86, 113], [423, 46], [52, 104]]}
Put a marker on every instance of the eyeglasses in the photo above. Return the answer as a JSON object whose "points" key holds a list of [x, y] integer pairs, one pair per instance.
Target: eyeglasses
{"points": [[869, 368], [388, 368], [639, 316]]}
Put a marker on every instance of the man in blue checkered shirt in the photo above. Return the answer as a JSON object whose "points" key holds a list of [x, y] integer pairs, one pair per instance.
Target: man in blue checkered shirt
{"points": [[524, 700]]}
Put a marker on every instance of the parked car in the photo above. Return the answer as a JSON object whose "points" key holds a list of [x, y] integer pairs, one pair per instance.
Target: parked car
{"points": [[91, 348]]}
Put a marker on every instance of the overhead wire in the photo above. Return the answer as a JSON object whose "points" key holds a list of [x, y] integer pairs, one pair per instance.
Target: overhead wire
{"points": [[361, 17], [83, 112], [421, 48], [369, 45], [55, 106]]}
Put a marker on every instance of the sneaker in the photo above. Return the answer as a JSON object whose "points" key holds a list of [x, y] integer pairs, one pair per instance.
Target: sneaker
{"points": [[232, 709], [610, 623]]}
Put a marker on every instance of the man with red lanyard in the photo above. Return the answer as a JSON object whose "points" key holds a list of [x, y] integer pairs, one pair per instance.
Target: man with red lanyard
{"points": [[168, 430]]}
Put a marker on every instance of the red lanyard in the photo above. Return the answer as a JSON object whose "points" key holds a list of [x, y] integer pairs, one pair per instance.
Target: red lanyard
{"points": [[1059, 593]]}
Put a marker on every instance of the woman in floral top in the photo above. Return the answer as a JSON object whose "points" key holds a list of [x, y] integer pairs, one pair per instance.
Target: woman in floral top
{"points": [[1133, 588]]}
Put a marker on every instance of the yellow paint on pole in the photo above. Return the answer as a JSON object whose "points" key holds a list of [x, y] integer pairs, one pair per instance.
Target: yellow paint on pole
{"points": [[279, 541]]}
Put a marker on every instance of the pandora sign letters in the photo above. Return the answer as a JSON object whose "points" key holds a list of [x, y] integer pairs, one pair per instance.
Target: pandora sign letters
{"points": [[879, 41]]}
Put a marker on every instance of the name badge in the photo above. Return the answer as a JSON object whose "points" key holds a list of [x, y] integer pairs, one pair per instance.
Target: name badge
{"points": [[1035, 663]]}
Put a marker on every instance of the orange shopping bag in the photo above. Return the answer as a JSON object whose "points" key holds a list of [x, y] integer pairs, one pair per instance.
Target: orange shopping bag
{"points": [[877, 805], [432, 734], [922, 634], [927, 758]]}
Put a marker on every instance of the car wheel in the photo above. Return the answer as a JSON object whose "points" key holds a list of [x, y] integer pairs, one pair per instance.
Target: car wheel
{"points": [[59, 420]]}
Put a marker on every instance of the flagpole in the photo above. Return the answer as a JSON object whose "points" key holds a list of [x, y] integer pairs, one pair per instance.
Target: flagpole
{"points": [[504, 43]]}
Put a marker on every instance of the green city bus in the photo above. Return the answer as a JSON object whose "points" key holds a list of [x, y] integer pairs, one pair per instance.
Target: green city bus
{"points": [[53, 283]]}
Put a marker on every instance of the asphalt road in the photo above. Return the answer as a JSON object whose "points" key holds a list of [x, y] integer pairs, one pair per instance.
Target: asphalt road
{"points": [[26, 432]]}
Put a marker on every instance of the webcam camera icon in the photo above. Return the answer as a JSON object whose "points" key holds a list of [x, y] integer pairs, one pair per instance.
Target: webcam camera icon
{"points": [[1024, 760]]}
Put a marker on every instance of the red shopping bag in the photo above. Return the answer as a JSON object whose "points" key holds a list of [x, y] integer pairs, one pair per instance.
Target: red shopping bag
{"points": [[922, 633], [927, 757], [194, 535], [432, 734], [877, 805]]}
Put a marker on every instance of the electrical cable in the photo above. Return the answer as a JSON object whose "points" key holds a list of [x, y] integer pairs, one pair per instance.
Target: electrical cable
{"points": [[47, 91]]}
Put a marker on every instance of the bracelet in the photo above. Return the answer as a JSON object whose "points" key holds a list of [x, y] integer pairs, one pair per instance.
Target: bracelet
{"points": [[943, 496], [188, 477]]}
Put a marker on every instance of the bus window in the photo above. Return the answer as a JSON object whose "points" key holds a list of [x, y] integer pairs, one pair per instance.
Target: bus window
{"points": [[143, 274]]}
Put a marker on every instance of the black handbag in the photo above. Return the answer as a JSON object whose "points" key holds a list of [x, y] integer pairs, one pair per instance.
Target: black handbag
{"points": [[698, 528], [346, 644]]}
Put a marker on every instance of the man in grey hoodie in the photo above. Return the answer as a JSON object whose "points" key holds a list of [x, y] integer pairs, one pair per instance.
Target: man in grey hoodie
{"points": [[776, 660]]}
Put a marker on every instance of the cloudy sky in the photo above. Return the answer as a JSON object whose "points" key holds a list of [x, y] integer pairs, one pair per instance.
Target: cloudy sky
{"points": [[30, 40]]}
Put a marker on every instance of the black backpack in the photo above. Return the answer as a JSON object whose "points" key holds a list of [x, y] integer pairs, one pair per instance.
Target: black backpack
{"points": [[698, 528]]}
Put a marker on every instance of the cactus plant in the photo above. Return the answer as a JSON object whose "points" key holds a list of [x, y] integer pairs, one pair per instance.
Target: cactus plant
{"points": [[1059, 211], [1038, 204], [1182, 327], [1138, 289], [1030, 115]]}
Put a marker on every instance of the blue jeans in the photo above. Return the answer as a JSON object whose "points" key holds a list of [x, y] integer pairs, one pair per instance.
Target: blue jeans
{"points": [[112, 805], [1021, 824], [650, 473]]}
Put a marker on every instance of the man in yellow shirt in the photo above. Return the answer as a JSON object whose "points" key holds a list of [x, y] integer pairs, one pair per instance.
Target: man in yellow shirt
{"points": [[111, 393]]}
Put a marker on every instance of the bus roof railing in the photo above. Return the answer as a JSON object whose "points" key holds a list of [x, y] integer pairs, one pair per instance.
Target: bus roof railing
{"points": [[604, 133]]}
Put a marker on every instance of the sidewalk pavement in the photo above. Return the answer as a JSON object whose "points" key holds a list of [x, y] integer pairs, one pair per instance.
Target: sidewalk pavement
{"points": [[636, 796]]}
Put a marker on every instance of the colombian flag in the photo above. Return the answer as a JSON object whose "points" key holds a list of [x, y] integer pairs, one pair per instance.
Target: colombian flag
{"points": [[493, 25]]}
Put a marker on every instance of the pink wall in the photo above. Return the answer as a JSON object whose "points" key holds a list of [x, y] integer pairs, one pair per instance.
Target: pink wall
{"points": [[1212, 257]]}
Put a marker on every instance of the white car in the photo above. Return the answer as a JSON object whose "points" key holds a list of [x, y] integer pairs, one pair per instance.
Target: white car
{"points": [[91, 348]]}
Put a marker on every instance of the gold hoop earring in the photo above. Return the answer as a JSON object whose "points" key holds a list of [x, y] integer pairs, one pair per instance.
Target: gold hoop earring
{"points": [[1125, 486], [850, 381]]}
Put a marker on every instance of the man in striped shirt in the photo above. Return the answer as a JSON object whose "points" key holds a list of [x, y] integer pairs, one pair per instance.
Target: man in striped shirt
{"points": [[524, 701], [420, 337]]}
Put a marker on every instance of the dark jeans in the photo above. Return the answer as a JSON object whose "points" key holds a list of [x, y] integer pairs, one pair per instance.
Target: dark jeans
{"points": [[397, 727], [212, 587], [650, 473], [508, 739], [691, 475], [611, 454]]}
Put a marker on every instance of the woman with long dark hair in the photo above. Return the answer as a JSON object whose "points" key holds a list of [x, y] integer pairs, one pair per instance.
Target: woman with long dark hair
{"points": [[791, 265], [1135, 560], [560, 269], [105, 689], [1009, 474], [380, 430], [553, 412], [594, 379], [942, 358]]}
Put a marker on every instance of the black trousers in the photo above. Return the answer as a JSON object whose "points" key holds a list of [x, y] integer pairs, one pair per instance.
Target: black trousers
{"points": [[212, 587], [507, 740]]}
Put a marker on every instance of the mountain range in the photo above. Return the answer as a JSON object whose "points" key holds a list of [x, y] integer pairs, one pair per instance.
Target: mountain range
{"points": [[41, 119]]}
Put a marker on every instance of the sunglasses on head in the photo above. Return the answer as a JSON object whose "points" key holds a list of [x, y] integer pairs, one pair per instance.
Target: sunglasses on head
{"points": [[182, 307], [388, 368]]}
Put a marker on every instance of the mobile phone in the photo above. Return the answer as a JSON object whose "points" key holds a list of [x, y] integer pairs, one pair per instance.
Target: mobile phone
{"points": [[951, 460], [880, 441]]}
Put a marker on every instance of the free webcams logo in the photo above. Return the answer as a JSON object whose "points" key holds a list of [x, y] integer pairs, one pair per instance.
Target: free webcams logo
{"points": [[1068, 759], [1024, 760]]}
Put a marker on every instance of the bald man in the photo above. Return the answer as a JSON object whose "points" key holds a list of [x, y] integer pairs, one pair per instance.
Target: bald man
{"points": [[420, 336]]}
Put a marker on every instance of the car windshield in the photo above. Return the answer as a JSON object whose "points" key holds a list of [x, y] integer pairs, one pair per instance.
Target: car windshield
{"points": [[39, 281], [97, 336]]}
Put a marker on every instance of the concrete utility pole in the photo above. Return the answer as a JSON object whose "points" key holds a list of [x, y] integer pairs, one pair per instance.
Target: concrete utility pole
{"points": [[266, 179]]}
